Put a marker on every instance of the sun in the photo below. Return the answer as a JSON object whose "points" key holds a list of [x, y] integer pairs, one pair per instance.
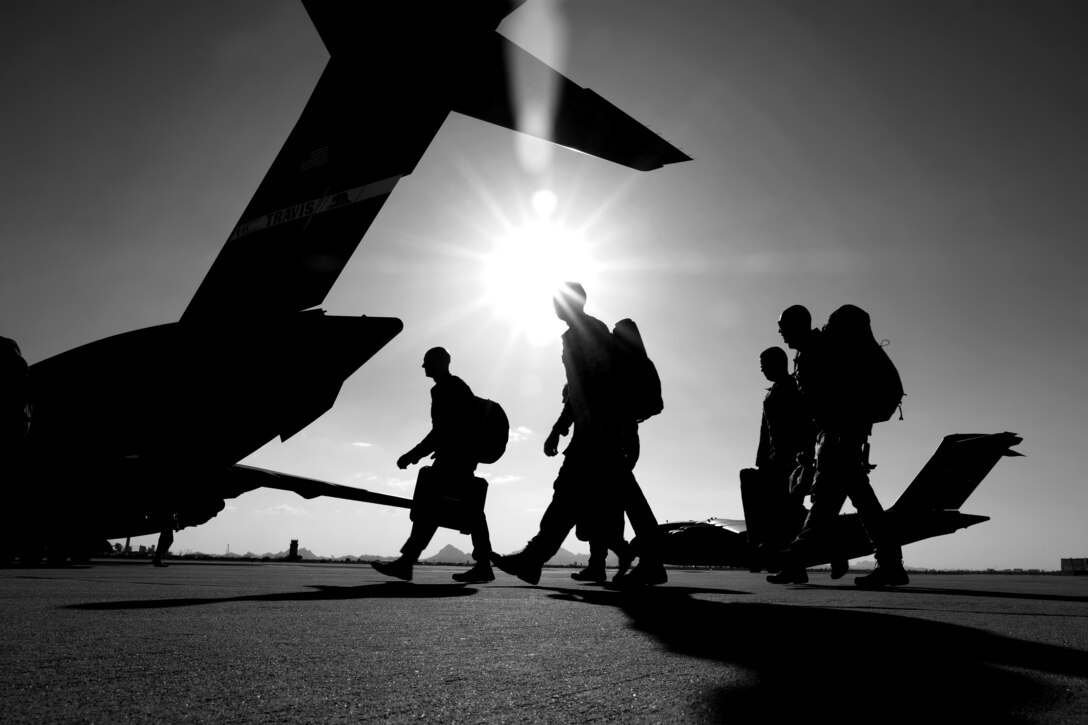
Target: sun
{"points": [[527, 264]]}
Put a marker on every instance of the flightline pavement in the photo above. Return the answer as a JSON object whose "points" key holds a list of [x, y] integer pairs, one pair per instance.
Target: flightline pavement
{"points": [[123, 642]]}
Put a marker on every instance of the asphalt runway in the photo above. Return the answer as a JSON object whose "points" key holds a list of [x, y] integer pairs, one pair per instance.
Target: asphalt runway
{"points": [[119, 642]]}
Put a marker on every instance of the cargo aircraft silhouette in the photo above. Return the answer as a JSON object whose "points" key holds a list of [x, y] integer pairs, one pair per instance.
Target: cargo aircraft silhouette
{"points": [[928, 507], [152, 423]]}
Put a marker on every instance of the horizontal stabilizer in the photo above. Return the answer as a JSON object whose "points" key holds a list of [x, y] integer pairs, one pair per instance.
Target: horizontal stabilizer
{"points": [[247, 478], [581, 120], [955, 471]]}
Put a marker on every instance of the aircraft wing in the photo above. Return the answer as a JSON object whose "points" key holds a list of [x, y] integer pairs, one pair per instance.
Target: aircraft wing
{"points": [[928, 508], [711, 542], [737, 526], [395, 72], [241, 479]]}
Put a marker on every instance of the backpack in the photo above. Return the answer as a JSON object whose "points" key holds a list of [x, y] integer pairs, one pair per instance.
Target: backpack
{"points": [[639, 381], [493, 430], [878, 388], [885, 392]]}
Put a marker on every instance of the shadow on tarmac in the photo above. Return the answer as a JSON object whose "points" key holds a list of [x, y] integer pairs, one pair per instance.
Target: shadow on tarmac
{"points": [[913, 591], [859, 665], [385, 590]]}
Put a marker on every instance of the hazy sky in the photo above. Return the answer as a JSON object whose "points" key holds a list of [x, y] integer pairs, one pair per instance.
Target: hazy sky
{"points": [[927, 161]]}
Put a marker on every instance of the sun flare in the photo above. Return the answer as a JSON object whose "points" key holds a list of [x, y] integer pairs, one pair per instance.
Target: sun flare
{"points": [[528, 263]]}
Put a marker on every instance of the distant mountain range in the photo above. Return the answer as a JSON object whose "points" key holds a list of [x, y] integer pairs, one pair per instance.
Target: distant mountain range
{"points": [[449, 554], [446, 555], [452, 555], [870, 564]]}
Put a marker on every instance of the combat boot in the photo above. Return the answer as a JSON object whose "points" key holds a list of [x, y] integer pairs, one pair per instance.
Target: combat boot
{"points": [[590, 574], [401, 568], [789, 575], [625, 560], [839, 567], [644, 574], [885, 575], [518, 565], [481, 572]]}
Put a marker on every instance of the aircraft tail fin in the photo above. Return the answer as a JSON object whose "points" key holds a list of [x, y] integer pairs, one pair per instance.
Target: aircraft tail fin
{"points": [[955, 470], [313, 207], [394, 74]]}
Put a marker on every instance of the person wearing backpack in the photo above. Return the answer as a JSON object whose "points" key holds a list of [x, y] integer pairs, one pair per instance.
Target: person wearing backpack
{"points": [[839, 387], [601, 524], [595, 473], [451, 444], [796, 330], [795, 327], [639, 397]]}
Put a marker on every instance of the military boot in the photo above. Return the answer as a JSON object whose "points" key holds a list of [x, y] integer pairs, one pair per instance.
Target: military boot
{"points": [[401, 568], [481, 572], [885, 575], [590, 574]]}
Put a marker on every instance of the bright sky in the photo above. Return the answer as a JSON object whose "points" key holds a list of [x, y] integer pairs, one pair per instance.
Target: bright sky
{"points": [[925, 161]]}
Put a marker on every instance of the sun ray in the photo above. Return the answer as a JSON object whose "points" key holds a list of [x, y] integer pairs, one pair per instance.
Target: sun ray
{"points": [[526, 245], [526, 265]]}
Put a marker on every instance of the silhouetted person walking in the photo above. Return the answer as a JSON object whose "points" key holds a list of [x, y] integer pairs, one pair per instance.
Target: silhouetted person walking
{"points": [[795, 327], [647, 542], [453, 413], [772, 512], [601, 524], [166, 539], [833, 381], [594, 471]]}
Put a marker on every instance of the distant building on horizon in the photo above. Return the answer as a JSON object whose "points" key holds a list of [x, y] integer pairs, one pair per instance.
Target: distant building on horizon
{"points": [[1075, 567]]}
